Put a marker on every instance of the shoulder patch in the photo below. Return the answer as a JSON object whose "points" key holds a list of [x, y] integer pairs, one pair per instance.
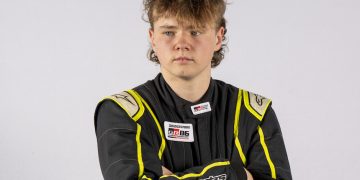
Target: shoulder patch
{"points": [[130, 103], [256, 104], [127, 101]]}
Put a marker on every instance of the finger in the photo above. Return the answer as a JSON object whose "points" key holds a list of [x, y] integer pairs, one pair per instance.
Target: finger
{"points": [[249, 176], [166, 171]]}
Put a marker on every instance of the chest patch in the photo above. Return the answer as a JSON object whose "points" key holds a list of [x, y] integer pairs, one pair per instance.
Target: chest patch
{"points": [[201, 108], [181, 132]]}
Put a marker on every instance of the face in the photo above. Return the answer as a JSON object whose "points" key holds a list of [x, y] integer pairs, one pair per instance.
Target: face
{"points": [[183, 51]]}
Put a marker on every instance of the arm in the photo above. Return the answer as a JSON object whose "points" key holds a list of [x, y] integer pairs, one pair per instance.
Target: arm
{"points": [[268, 158], [126, 153], [168, 172], [121, 143], [217, 169]]}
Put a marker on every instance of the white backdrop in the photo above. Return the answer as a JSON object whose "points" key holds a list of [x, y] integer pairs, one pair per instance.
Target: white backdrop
{"points": [[59, 58]]}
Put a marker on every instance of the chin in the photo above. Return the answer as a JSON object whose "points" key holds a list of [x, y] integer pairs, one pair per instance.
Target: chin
{"points": [[185, 75]]}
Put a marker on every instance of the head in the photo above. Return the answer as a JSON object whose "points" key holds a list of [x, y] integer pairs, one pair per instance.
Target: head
{"points": [[190, 29]]}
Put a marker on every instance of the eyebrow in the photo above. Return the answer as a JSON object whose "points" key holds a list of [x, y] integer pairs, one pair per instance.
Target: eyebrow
{"points": [[168, 27], [174, 27]]}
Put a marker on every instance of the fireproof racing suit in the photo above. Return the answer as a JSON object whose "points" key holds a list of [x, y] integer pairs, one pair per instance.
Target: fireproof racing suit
{"points": [[228, 129]]}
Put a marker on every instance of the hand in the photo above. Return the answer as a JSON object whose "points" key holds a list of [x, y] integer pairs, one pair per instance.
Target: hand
{"points": [[166, 171], [249, 176]]}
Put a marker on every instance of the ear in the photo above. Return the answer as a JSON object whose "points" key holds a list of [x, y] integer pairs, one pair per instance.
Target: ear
{"points": [[219, 38], [151, 38]]}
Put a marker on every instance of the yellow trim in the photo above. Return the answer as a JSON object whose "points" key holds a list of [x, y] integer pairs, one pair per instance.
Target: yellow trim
{"points": [[271, 164], [145, 177], [266, 109], [201, 173], [115, 100], [141, 106], [138, 101], [139, 152], [236, 127], [162, 146], [248, 106]]}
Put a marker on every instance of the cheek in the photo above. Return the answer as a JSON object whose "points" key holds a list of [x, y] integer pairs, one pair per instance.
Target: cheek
{"points": [[162, 44], [163, 50], [205, 49], [207, 45]]}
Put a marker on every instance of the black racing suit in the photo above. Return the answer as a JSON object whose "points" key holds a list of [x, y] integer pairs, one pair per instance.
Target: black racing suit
{"points": [[239, 130]]}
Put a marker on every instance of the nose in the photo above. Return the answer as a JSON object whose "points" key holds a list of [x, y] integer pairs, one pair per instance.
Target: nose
{"points": [[182, 43]]}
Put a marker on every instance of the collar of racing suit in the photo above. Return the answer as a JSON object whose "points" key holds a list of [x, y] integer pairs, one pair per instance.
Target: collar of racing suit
{"points": [[181, 105]]}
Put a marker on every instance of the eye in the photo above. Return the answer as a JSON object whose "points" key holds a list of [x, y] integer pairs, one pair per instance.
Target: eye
{"points": [[195, 33], [168, 33]]}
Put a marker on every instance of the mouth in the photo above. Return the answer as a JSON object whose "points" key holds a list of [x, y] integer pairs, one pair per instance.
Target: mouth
{"points": [[183, 59]]}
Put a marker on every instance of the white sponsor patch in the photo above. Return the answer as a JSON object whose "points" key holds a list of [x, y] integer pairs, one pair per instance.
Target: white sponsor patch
{"points": [[179, 132], [201, 108], [218, 177]]}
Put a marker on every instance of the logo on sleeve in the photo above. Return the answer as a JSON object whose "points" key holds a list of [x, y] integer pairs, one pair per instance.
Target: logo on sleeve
{"points": [[181, 132], [218, 177], [201, 108]]}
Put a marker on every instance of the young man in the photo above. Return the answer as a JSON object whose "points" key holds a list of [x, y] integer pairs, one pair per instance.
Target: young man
{"points": [[183, 124]]}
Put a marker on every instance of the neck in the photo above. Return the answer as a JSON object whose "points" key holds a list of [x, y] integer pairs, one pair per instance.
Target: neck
{"points": [[190, 89]]}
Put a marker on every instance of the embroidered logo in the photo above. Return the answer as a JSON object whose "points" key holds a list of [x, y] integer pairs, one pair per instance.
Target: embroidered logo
{"points": [[259, 99], [179, 132], [218, 177], [201, 108], [123, 96]]}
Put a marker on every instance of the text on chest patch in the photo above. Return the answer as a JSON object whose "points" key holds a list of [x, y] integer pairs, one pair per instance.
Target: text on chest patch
{"points": [[201, 108], [181, 132]]}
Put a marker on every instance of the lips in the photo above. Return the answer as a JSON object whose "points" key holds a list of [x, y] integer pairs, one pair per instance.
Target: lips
{"points": [[183, 59]]}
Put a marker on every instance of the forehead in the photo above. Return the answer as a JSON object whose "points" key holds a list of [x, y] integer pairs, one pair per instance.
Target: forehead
{"points": [[172, 23]]}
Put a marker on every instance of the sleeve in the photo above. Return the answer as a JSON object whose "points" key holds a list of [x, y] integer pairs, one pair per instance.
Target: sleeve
{"points": [[122, 144], [218, 169], [125, 152], [267, 158]]}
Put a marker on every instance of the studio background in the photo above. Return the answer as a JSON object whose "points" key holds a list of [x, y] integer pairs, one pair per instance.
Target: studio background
{"points": [[59, 58]]}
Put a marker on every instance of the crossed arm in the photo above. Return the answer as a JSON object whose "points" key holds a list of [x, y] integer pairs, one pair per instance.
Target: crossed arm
{"points": [[125, 153], [168, 172]]}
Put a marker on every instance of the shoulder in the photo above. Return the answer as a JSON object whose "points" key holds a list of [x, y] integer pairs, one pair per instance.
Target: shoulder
{"points": [[256, 104], [128, 100]]}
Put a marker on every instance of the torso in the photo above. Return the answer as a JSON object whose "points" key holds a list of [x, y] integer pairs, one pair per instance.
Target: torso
{"points": [[213, 131]]}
